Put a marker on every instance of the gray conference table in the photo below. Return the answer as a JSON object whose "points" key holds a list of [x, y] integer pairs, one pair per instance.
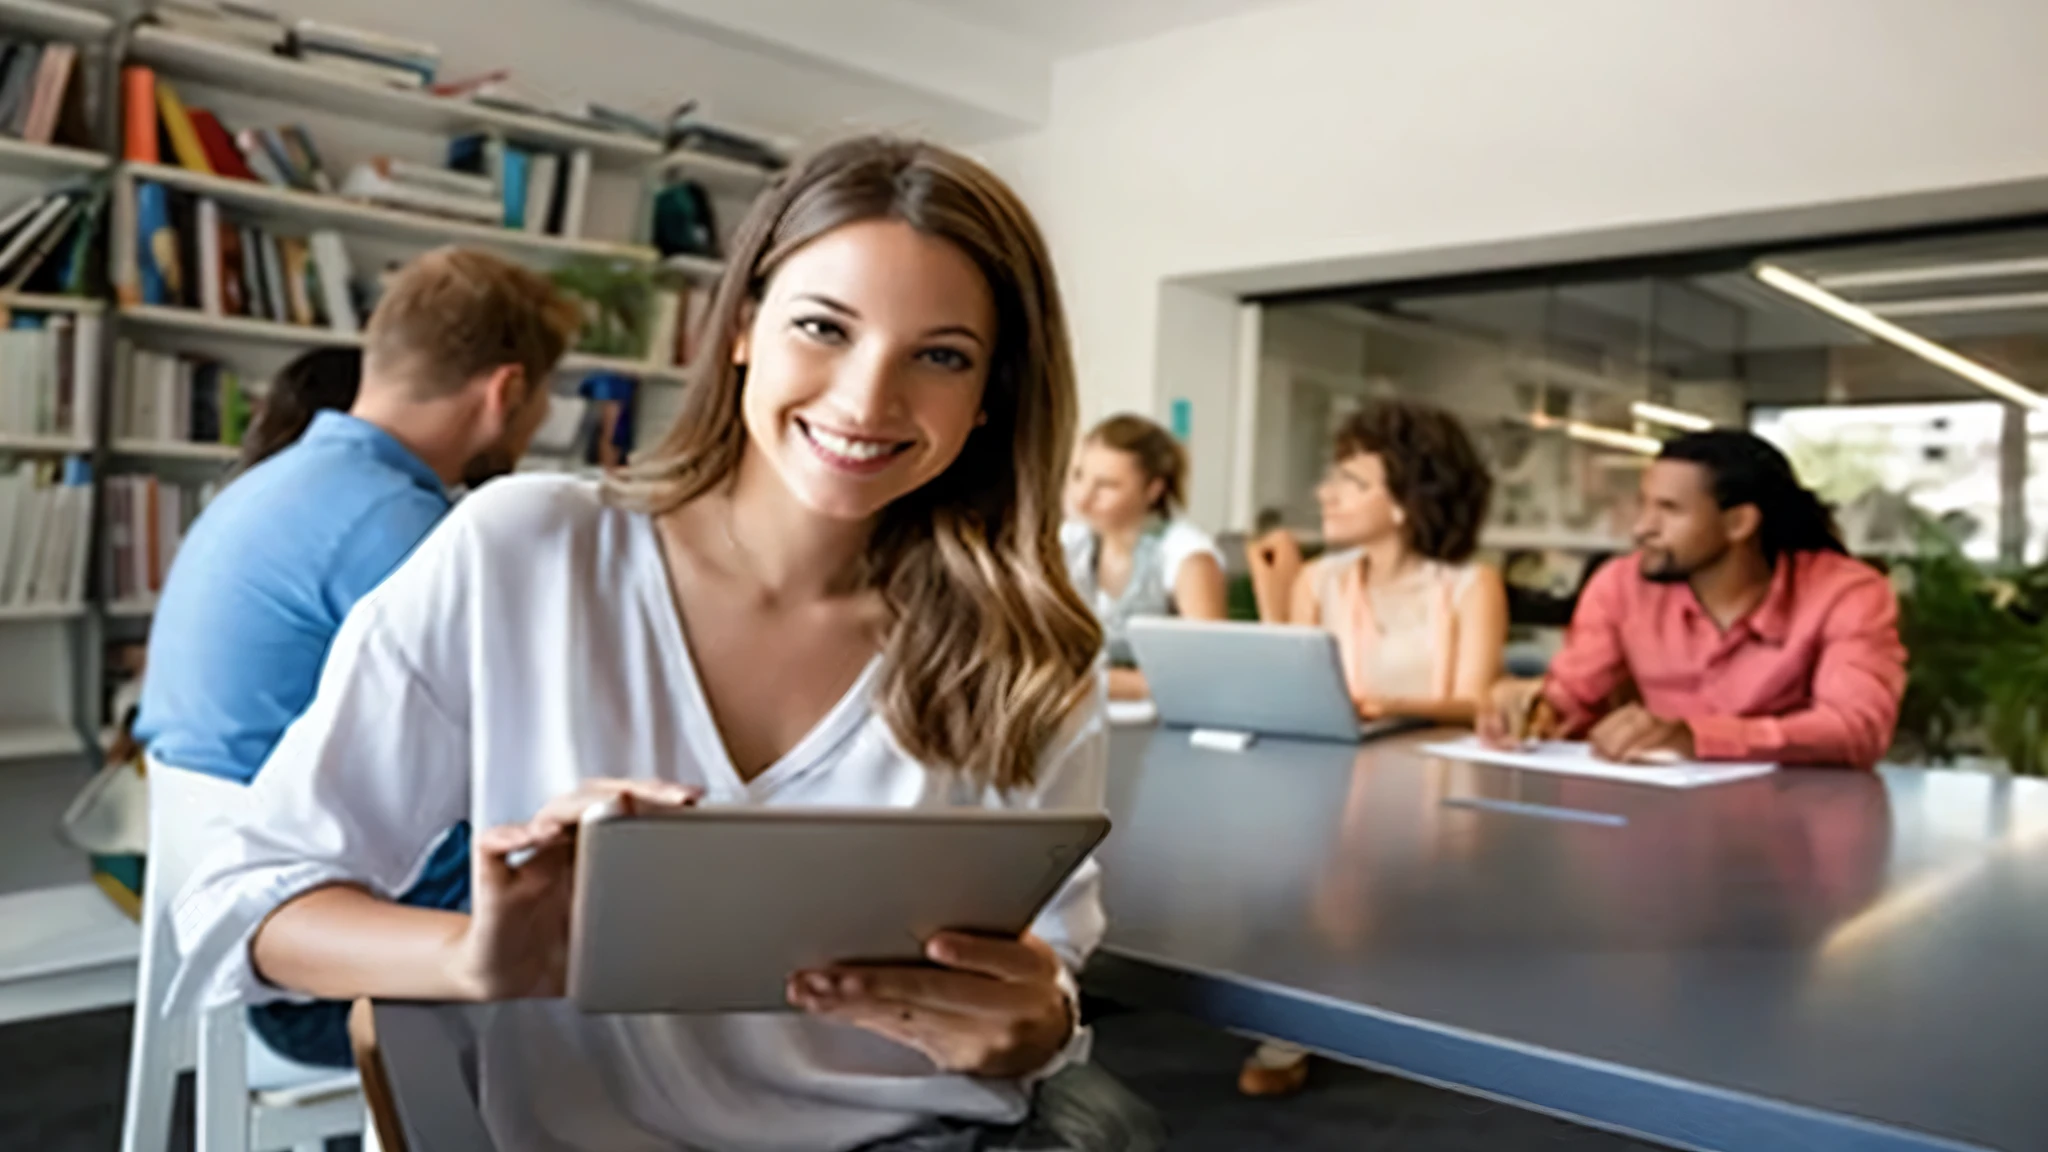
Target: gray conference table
{"points": [[1811, 960]]}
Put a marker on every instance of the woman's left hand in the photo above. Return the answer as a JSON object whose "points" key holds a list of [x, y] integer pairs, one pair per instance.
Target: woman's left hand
{"points": [[992, 1007]]}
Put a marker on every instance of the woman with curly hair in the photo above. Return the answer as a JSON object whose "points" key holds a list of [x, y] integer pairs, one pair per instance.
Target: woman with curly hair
{"points": [[1420, 627]]}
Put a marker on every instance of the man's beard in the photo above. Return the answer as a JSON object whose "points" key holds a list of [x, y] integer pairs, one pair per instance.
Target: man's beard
{"points": [[1662, 566]]}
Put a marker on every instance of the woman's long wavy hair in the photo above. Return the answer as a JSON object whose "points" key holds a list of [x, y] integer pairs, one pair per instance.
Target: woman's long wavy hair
{"points": [[988, 649]]}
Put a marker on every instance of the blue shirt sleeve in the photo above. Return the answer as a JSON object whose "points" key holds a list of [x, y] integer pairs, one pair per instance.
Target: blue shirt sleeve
{"points": [[381, 540]]}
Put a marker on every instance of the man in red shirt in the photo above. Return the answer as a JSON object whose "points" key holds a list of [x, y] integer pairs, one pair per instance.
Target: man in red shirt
{"points": [[1740, 629]]}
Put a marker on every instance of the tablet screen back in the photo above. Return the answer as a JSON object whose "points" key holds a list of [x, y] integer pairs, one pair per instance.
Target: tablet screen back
{"points": [[712, 909]]}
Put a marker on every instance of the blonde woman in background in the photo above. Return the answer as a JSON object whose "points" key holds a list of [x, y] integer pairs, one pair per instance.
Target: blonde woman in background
{"points": [[1128, 552], [1421, 628], [857, 505]]}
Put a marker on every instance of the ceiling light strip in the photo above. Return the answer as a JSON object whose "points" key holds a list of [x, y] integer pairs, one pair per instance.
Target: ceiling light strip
{"points": [[1962, 305], [1670, 417], [1937, 273], [1863, 318]]}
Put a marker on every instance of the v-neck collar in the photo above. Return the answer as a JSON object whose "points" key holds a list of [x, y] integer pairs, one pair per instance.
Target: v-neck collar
{"points": [[700, 727]]}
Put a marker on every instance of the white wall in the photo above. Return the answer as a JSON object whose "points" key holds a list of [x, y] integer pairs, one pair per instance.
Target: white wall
{"points": [[1335, 140]]}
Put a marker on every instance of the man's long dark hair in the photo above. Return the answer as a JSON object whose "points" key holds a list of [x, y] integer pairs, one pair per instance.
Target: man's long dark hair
{"points": [[1747, 469]]}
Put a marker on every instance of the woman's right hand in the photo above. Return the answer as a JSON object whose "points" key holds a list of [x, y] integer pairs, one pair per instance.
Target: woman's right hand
{"points": [[516, 944], [1276, 551]]}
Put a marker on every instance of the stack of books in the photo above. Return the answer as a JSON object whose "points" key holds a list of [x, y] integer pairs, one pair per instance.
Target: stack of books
{"points": [[189, 256], [49, 375], [236, 22], [536, 191], [404, 184], [371, 57], [45, 532], [42, 95], [167, 398], [49, 242], [159, 124], [147, 518]]}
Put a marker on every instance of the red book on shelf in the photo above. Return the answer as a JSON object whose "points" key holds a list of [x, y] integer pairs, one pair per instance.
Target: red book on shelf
{"points": [[219, 147], [138, 119]]}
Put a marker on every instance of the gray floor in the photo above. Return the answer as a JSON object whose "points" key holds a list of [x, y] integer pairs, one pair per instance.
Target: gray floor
{"points": [[60, 1091]]}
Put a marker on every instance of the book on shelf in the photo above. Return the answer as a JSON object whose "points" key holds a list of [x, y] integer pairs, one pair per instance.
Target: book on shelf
{"points": [[688, 134], [49, 374], [191, 254], [171, 398], [42, 95], [45, 529], [376, 183], [243, 25], [538, 191], [159, 124], [46, 240], [322, 41], [146, 521], [138, 115]]}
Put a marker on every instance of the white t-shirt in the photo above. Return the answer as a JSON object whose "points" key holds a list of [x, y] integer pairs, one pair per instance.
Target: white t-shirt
{"points": [[530, 642], [1179, 542]]}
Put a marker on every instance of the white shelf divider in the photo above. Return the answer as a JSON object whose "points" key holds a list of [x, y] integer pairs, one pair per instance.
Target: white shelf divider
{"points": [[710, 170], [39, 742], [135, 608], [32, 613], [354, 216], [20, 442], [175, 450], [244, 328], [66, 949], [40, 302], [54, 21], [699, 268], [263, 74], [44, 161]]}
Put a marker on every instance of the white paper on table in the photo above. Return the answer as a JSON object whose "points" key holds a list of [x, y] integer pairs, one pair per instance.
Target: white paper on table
{"points": [[1575, 758], [1133, 713]]}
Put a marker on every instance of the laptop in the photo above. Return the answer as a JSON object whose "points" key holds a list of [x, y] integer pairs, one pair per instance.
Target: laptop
{"points": [[1269, 679]]}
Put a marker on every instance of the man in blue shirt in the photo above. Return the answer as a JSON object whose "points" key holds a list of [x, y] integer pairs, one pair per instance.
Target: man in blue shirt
{"points": [[456, 363]]}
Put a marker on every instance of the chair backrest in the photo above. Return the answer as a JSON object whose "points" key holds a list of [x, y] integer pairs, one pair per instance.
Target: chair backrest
{"points": [[187, 812]]}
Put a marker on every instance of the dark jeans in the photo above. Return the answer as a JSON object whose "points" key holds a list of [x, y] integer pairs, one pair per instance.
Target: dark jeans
{"points": [[1080, 1109], [317, 1033]]}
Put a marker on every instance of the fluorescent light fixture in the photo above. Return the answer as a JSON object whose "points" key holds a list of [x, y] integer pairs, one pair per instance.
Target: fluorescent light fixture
{"points": [[1600, 435], [1937, 273], [1670, 417], [1857, 316], [1964, 305]]}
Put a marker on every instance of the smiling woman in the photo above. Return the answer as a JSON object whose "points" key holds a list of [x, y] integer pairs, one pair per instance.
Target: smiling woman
{"points": [[836, 582]]}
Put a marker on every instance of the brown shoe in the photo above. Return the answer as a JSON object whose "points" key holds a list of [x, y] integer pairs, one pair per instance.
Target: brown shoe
{"points": [[1272, 1074]]}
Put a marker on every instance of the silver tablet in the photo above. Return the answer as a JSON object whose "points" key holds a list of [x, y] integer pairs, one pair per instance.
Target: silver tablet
{"points": [[1270, 679], [712, 909]]}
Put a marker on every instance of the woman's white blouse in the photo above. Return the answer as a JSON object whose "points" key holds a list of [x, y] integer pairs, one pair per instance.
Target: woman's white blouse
{"points": [[531, 642]]}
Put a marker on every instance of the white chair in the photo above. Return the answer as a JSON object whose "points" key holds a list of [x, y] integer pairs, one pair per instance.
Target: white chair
{"points": [[249, 1098]]}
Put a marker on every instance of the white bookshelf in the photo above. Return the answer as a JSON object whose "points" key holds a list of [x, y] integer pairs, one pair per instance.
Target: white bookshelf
{"points": [[137, 608], [33, 613], [267, 204], [712, 171], [48, 161], [280, 77], [67, 948], [699, 268], [174, 450], [51, 445], [36, 302], [248, 330], [241, 329], [38, 742], [54, 21], [580, 362]]}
